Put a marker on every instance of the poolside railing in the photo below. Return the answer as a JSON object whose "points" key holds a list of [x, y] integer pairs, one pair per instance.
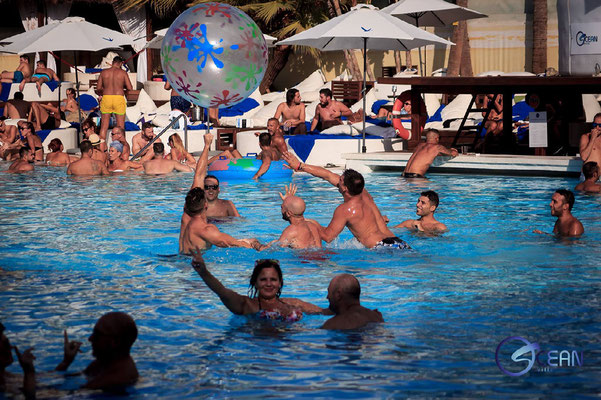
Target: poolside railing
{"points": [[181, 116]]}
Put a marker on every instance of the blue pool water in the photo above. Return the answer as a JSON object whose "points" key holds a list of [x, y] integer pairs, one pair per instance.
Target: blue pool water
{"points": [[72, 249]]}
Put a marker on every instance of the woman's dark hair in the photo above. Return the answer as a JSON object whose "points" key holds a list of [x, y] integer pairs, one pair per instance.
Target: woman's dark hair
{"points": [[260, 265]]}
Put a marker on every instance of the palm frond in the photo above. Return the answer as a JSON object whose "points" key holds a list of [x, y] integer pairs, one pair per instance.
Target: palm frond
{"points": [[267, 11]]}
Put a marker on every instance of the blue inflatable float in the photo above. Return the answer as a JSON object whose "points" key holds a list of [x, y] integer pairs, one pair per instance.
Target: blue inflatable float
{"points": [[246, 168]]}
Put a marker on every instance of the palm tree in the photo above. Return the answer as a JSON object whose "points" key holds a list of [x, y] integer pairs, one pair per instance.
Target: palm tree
{"points": [[460, 60], [539, 37]]}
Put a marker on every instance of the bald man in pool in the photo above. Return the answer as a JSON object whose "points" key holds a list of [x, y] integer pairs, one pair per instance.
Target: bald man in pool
{"points": [[424, 155], [195, 231], [301, 233], [343, 293]]}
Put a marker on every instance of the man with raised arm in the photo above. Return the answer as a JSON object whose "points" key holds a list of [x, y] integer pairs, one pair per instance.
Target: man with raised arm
{"points": [[217, 207], [292, 112], [561, 205], [590, 170], [426, 205], [161, 166], [424, 154], [590, 143], [195, 231], [86, 165], [112, 83], [328, 112], [358, 212], [301, 233], [343, 293]]}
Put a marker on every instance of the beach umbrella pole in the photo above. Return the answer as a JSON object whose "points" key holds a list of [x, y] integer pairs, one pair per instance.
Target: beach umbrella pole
{"points": [[363, 148], [78, 103]]}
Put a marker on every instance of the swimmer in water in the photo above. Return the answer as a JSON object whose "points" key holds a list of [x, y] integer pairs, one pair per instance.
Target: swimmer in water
{"points": [[426, 205], [116, 162], [265, 288]]}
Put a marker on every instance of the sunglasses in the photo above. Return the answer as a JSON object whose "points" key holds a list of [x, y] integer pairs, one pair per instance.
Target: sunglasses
{"points": [[596, 125], [212, 187]]}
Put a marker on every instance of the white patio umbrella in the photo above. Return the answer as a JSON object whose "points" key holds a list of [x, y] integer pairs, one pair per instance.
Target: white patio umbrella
{"points": [[157, 41], [364, 27], [430, 13], [73, 33]]}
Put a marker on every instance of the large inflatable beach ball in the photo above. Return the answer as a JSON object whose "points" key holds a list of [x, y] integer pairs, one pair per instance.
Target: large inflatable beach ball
{"points": [[214, 55]]}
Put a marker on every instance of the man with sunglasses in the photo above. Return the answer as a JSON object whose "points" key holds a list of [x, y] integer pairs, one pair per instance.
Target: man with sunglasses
{"points": [[217, 207], [590, 143]]}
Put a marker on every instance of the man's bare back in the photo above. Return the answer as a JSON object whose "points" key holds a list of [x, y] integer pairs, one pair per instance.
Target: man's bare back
{"points": [[87, 166], [302, 235], [162, 166], [113, 80]]}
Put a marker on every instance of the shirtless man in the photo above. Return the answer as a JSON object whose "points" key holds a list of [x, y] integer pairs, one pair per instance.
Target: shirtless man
{"points": [[343, 293], [142, 139], [301, 233], [358, 212], [17, 108], [217, 207], [424, 154], [561, 207], [8, 136], [277, 136], [195, 231], [267, 155], [97, 153], [328, 111], [160, 165], [111, 83], [41, 75], [24, 163], [426, 205], [292, 112], [118, 135], [116, 163], [22, 72], [86, 165], [590, 143], [590, 170]]}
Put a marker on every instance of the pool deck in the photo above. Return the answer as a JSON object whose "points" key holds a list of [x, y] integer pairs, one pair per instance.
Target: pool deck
{"points": [[471, 163]]}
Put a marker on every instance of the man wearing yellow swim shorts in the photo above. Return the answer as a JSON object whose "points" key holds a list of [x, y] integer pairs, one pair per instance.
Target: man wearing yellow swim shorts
{"points": [[112, 83]]}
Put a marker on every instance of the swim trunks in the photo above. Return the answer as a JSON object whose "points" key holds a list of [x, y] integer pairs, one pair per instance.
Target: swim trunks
{"points": [[49, 124], [412, 175], [113, 104], [392, 243], [179, 103], [41, 76], [17, 77]]}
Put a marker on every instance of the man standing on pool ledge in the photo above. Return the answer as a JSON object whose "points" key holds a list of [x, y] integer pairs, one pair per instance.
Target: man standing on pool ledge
{"points": [[343, 293], [561, 207], [195, 231], [358, 212]]}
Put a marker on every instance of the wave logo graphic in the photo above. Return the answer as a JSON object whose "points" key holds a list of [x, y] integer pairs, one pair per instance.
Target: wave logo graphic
{"points": [[582, 38], [528, 350]]}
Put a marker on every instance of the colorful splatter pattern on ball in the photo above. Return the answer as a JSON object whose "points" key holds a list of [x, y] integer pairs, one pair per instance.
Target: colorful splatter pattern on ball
{"points": [[214, 55]]}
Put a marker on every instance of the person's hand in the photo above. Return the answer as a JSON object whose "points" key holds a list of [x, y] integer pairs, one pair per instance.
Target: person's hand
{"points": [[197, 261], [538, 231], [25, 359], [253, 242], [454, 152], [208, 137], [288, 123], [292, 161], [290, 191], [71, 348]]}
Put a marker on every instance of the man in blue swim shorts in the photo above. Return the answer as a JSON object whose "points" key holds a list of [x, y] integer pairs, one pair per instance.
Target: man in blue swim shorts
{"points": [[42, 74], [22, 72]]}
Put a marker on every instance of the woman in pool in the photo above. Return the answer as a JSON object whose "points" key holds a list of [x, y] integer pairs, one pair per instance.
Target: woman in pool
{"points": [[264, 293], [30, 140], [178, 152], [116, 164], [58, 157]]}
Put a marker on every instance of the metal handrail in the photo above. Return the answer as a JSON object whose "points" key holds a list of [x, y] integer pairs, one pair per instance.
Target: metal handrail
{"points": [[143, 149]]}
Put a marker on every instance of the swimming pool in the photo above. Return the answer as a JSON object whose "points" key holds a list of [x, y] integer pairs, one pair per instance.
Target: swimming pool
{"points": [[75, 248]]}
